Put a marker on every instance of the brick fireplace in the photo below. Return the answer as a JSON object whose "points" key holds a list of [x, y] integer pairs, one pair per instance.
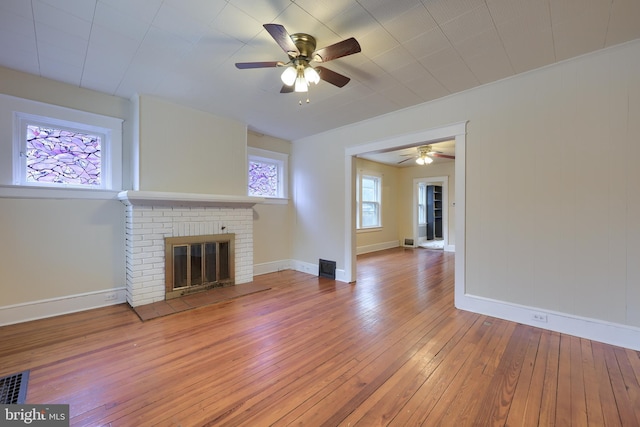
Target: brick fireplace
{"points": [[151, 217]]}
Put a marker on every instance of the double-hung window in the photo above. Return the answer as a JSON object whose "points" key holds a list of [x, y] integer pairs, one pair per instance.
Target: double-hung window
{"points": [[267, 174], [369, 201]]}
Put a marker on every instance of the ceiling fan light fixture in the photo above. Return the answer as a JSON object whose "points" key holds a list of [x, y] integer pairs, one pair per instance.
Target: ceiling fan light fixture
{"points": [[424, 160], [288, 76]]}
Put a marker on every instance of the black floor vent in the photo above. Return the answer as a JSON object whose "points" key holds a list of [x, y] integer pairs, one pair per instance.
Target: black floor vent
{"points": [[327, 269], [13, 388]]}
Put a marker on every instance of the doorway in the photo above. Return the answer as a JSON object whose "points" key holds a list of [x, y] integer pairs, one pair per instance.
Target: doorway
{"points": [[431, 212], [457, 131]]}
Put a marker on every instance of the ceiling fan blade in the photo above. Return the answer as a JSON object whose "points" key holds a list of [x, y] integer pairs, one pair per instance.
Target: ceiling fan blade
{"points": [[265, 64], [402, 161], [444, 156], [332, 77], [282, 37], [286, 89], [338, 50]]}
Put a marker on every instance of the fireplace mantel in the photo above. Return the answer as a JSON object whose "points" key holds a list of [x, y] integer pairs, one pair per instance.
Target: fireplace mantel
{"points": [[161, 198]]}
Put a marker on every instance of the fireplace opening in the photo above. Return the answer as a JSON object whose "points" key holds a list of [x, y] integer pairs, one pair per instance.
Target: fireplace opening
{"points": [[198, 263]]}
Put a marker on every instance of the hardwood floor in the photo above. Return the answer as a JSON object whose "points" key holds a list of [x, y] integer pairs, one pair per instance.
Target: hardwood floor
{"points": [[388, 350]]}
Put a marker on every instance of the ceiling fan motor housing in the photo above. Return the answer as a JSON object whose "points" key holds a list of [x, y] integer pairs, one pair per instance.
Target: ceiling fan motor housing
{"points": [[305, 43]]}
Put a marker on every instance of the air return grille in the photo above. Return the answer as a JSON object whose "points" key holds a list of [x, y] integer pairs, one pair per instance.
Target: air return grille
{"points": [[13, 388]]}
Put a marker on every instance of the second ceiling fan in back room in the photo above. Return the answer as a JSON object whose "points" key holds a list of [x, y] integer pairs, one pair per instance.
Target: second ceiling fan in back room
{"points": [[425, 154], [301, 49]]}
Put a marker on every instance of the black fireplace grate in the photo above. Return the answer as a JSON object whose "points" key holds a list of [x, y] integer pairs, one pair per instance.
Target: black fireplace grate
{"points": [[13, 388]]}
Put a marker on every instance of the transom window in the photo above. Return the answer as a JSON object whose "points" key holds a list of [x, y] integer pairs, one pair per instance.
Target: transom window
{"points": [[369, 201]]}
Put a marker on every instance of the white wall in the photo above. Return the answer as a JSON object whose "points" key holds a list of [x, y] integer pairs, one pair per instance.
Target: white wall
{"points": [[552, 198], [190, 151], [272, 230], [63, 253]]}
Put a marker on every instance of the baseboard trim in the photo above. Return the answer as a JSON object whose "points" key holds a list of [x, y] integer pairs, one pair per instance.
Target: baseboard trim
{"points": [[592, 329], [311, 268], [377, 247], [271, 267], [34, 310]]}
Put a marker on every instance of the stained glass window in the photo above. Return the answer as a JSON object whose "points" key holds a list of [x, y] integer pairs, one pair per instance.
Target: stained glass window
{"points": [[267, 173], [62, 157], [263, 179]]}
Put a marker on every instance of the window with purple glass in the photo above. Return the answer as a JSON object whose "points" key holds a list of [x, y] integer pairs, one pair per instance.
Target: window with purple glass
{"points": [[267, 175], [58, 153]]}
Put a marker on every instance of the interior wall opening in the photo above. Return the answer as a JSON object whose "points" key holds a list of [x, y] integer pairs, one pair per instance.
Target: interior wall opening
{"points": [[454, 131]]}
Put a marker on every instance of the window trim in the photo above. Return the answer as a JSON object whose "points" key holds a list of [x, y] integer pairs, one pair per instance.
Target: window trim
{"points": [[361, 175], [22, 120], [282, 161], [53, 114]]}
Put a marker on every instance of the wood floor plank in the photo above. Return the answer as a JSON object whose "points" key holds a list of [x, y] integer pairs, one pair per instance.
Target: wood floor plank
{"points": [[523, 389], [592, 398], [389, 349], [607, 400], [578, 404], [549, 402]]}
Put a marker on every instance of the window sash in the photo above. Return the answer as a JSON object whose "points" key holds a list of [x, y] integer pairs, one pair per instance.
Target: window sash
{"points": [[369, 202]]}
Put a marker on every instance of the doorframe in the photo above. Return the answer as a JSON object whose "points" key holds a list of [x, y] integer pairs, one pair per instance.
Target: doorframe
{"points": [[432, 180], [455, 131]]}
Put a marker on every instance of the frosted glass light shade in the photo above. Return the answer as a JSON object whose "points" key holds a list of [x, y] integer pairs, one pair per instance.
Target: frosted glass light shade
{"points": [[288, 76], [424, 160], [311, 75], [301, 84]]}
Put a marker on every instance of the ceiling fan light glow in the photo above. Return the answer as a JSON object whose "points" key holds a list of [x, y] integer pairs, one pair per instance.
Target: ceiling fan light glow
{"points": [[311, 75], [424, 160], [288, 76], [301, 84]]}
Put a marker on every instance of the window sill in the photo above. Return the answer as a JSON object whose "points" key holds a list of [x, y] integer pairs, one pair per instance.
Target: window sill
{"points": [[368, 230], [32, 192], [275, 201]]}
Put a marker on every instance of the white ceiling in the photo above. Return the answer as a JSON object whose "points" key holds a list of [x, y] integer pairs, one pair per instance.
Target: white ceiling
{"points": [[406, 157], [413, 51]]}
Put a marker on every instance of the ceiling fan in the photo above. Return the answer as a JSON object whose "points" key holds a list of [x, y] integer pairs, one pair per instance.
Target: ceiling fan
{"points": [[301, 49], [425, 154]]}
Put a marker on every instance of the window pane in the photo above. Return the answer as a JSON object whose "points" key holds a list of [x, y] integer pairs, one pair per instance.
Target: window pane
{"points": [[263, 179], [369, 189], [370, 217], [62, 157]]}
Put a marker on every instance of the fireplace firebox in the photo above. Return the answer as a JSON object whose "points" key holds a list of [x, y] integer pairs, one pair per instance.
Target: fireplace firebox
{"points": [[198, 263]]}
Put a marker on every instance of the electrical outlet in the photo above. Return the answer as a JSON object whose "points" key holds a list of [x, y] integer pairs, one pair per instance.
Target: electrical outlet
{"points": [[539, 317], [111, 297]]}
